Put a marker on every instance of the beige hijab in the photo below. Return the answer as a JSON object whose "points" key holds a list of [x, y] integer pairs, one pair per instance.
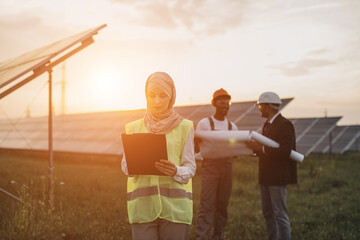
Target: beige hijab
{"points": [[168, 120]]}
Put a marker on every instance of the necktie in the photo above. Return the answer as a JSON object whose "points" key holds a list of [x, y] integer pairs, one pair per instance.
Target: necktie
{"points": [[265, 128]]}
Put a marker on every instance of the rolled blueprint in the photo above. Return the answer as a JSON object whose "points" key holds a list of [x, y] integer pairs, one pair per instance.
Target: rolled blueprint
{"points": [[298, 157], [223, 144]]}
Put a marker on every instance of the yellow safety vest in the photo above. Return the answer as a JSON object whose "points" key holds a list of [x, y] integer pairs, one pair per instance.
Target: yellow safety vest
{"points": [[150, 197]]}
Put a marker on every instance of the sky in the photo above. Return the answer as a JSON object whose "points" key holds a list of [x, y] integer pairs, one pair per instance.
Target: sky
{"points": [[305, 49]]}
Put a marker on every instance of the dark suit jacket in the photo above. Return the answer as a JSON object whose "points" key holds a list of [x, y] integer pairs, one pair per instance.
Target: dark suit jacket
{"points": [[275, 165]]}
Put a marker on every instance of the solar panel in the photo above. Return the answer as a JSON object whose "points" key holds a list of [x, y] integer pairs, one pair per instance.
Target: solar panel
{"points": [[343, 139], [310, 132], [18, 71], [355, 146]]}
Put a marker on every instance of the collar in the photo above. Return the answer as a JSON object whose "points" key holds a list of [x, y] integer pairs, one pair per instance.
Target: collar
{"points": [[273, 118]]}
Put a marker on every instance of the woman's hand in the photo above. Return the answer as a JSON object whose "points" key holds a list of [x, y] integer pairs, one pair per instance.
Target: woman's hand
{"points": [[166, 167]]}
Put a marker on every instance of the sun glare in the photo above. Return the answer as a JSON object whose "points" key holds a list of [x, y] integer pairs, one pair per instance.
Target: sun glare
{"points": [[110, 90], [104, 85]]}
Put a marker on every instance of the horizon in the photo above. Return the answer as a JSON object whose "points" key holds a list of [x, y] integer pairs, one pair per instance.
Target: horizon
{"points": [[55, 114]]}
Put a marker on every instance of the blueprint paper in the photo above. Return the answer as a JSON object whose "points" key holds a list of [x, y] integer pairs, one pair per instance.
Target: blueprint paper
{"points": [[223, 144], [298, 157]]}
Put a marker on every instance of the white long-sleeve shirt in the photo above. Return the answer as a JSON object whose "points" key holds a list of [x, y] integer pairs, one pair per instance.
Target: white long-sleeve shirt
{"points": [[187, 167]]}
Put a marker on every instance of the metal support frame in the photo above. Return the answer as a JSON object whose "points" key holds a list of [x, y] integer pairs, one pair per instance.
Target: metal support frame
{"points": [[39, 70], [63, 84], [14, 197], [50, 140], [330, 143]]}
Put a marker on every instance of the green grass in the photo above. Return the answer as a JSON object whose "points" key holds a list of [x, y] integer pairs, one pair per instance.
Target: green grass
{"points": [[90, 200]]}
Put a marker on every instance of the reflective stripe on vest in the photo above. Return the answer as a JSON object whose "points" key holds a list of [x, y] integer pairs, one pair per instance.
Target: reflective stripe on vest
{"points": [[150, 197], [142, 192], [166, 192]]}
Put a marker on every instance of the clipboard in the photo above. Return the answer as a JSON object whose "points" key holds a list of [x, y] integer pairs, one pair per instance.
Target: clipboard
{"points": [[142, 150]]}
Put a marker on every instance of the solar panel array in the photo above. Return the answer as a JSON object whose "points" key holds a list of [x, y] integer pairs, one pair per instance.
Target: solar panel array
{"points": [[100, 132], [342, 139]]}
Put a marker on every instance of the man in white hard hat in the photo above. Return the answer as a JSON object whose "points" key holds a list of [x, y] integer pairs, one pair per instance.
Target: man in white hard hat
{"points": [[276, 169], [216, 175]]}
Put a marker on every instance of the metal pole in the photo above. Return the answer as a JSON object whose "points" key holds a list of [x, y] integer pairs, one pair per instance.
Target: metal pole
{"points": [[51, 161], [330, 144], [63, 82], [14, 197]]}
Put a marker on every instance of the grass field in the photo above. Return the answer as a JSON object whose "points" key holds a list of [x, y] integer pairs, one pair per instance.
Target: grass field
{"points": [[90, 200]]}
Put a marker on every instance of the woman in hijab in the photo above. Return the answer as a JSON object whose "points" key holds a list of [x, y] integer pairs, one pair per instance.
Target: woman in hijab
{"points": [[161, 207]]}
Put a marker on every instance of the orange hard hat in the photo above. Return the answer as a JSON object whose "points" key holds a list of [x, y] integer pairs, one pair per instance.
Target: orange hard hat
{"points": [[218, 93]]}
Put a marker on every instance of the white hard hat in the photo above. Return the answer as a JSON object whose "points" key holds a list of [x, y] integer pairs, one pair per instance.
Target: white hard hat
{"points": [[269, 97]]}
